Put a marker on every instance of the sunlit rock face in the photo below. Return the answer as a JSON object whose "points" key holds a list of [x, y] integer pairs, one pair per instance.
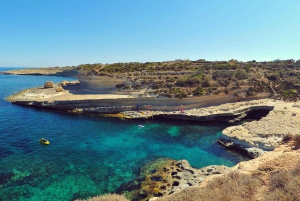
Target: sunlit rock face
{"points": [[165, 176], [255, 137]]}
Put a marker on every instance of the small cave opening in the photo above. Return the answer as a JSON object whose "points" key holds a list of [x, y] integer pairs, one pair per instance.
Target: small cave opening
{"points": [[256, 114]]}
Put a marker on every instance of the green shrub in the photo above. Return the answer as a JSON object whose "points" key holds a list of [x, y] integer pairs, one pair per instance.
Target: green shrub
{"points": [[222, 74], [251, 91], [273, 76], [206, 83], [171, 79], [290, 93], [177, 92], [181, 94], [198, 91], [241, 75]]}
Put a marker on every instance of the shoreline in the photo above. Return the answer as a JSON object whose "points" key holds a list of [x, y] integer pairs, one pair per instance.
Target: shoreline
{"points": [[219, 108], [256, 138], [191, 109]]}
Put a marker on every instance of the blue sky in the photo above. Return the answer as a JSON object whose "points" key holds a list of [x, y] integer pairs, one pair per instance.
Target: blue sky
{"points": [[44, 33]]}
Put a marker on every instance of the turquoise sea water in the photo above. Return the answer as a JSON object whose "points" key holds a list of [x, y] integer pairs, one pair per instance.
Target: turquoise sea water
{"points": [[89, 155]]}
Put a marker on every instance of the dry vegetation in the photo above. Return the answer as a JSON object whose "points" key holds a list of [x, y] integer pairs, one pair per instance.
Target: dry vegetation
{"points": [[264, 185], [183, 78], [232, 186], [293, 140]]}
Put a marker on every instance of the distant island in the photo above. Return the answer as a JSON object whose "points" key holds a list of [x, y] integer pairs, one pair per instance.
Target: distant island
{"points": [[200, 91]]}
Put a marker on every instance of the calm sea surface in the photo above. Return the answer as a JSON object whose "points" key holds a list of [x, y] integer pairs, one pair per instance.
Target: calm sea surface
{"points": [[88, 155]]}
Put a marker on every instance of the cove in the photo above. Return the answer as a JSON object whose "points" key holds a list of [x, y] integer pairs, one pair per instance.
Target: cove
{"points": [[89, 155]]}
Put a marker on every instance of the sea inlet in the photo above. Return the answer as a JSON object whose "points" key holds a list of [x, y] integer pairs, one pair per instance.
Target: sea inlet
{"points": [[89, 155]]}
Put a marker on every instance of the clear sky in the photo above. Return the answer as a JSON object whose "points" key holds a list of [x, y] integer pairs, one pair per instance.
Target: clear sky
{"points": [[44, 33]]}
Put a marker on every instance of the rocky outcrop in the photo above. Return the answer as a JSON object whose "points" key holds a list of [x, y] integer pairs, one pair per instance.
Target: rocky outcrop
{"points": [[275, 170], [197, 108], [69, 83], [164, 177], [256, 137], [48, 84], [59, 89]]}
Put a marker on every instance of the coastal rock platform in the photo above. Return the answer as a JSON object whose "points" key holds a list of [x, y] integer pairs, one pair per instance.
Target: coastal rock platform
{"points": [[256, 137], [204, 108], [253, 137]]}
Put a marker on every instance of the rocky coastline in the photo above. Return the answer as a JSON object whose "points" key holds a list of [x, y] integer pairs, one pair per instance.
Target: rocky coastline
{"points": [[255, 138], [164, 177]]}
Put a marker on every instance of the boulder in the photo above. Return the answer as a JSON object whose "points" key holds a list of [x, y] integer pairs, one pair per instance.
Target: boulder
{"points": [[65, 83], [59, 89], [49, 84], [254, 152]]}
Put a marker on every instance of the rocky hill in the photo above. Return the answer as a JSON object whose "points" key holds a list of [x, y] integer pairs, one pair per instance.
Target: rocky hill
{"points": [[183, 78]]}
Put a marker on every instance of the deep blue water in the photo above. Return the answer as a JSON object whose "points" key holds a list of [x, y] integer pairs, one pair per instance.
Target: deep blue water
{"points": [[88, 155]]}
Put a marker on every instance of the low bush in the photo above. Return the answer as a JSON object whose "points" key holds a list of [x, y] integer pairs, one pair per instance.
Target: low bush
{"points": [[278, 180], [290, 93], [198, 91], [241, 75], [284, 185]]}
